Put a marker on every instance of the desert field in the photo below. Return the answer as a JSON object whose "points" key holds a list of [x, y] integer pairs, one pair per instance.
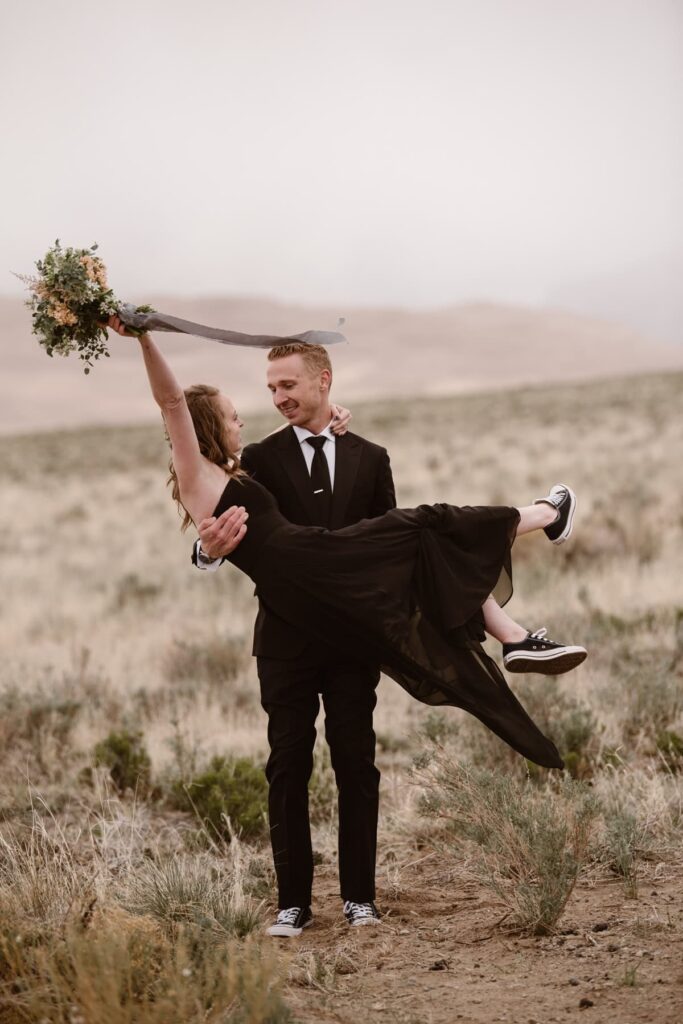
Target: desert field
{"points": [[469, 347], [135, 875]]}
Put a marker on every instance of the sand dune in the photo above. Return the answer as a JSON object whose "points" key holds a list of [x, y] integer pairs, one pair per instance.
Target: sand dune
{"points": [[391, 352]]}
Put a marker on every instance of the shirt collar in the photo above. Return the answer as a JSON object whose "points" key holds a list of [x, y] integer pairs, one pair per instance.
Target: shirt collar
{"points": [[302, 433]]}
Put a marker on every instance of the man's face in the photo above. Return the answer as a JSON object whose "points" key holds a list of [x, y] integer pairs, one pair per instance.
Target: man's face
{"points": [[298, 393]]}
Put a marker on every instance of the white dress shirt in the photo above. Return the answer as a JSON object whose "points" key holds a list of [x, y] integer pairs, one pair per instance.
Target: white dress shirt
{"points": [[329, 448]]}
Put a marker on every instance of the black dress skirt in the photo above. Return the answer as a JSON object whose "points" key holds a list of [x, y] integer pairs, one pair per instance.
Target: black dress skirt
{"points": [[403, 591]]}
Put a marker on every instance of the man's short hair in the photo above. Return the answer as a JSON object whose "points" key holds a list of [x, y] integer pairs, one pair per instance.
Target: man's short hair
{"points": [[315, 357]]}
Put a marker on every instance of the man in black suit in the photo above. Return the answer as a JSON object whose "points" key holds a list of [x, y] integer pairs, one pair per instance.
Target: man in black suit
{"points": [[322, 480]]}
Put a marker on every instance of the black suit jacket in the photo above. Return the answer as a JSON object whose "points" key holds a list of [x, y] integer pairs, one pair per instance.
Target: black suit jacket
{"points": [[363, 488]]}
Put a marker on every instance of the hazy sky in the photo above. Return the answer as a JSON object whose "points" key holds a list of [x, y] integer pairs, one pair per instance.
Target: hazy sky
{"points": [[352, 151]]}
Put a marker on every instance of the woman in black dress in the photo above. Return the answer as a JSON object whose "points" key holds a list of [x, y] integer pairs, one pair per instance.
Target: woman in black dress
{"points": [[404, 591]]}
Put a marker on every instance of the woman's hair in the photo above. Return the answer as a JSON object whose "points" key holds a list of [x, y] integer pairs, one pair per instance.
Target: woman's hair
{"points": [[209, 426]]}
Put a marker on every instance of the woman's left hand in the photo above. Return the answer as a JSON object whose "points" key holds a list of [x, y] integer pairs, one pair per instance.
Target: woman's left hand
{"points": [[340, 419], [116, 324]]}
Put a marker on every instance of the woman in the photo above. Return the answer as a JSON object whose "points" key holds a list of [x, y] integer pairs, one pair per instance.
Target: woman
{"points": [[404, 590]]}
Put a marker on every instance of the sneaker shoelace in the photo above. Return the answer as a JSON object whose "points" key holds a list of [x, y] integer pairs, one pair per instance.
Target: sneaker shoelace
{"points": [[542, 636], [360, 909], [289, 915]]}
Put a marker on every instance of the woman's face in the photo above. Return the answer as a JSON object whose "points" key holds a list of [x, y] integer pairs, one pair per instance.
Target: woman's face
{"points": [[233, 424]]}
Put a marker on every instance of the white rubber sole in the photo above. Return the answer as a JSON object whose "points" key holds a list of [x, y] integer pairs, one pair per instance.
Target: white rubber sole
{"points": [[365, 921], [570, 520], [548, 663], [286, 931]]}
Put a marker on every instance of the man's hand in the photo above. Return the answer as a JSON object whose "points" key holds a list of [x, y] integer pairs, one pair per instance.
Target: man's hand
{"points": [[219, 537], [340, 421]]}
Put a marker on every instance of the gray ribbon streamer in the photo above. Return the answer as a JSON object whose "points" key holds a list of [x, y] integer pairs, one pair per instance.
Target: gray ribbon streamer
{"points": [[162, 322]]}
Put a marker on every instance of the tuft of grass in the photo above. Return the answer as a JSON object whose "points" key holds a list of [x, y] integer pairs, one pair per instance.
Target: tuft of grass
{"points": [[126, 971], [215, 660], [124, 754], [649, 693], [188, 890], [322, 789], [70, 952], [624, 842], [41, 724], [531, 841], [630, 978], [133, 592], [230, 797]]}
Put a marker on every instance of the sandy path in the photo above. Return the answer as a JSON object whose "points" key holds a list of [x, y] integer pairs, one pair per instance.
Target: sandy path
{"points": [[439, 957]]}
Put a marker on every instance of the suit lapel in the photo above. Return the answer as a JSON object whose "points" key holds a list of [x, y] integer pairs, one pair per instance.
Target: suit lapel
{"points": [[346, 462], [293, 462]]}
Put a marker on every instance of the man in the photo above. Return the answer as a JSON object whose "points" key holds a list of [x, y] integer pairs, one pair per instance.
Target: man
{"points": [[322, 480]]}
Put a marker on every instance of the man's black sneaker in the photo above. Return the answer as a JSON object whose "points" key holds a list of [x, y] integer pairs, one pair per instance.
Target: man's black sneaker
{"points": [[291, 921], [538, 654], [358, 914], [563, 499]]}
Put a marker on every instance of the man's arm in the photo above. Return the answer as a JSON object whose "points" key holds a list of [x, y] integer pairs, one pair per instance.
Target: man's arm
{"points": [[218, 537], [384, 497]]}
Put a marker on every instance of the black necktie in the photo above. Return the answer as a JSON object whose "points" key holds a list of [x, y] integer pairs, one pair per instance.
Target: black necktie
{"points": [[320, 481]]}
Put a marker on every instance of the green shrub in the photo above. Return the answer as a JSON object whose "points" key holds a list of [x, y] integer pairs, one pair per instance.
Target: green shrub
{"points": [[532, 841], [230, 796], [570, 724], [670, 748], [124, 754], [438, 727]]}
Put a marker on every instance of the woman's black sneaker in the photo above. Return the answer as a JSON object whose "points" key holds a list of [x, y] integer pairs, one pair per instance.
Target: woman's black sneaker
{"points": [[538, 654], [291, 922], [563, 499]]}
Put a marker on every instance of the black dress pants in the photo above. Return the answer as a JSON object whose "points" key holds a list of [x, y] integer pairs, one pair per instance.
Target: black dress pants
{"points": [[290, 696]]}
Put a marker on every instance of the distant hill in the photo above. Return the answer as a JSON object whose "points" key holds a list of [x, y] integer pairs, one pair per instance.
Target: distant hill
{"points": [[392, 352]]}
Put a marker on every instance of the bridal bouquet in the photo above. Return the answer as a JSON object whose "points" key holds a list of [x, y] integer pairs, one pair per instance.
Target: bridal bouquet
{"points": [[71, 302]]}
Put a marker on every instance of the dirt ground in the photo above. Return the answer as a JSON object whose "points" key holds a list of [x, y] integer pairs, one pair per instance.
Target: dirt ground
{"points": [[440, 955]]}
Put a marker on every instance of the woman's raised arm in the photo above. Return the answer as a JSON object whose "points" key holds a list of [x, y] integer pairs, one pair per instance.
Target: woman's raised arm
{"points": [[169, 396]]}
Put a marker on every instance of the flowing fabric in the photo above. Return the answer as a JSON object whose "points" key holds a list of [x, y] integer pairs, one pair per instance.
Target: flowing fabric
{"points": [[403, 591], [163, 322]]}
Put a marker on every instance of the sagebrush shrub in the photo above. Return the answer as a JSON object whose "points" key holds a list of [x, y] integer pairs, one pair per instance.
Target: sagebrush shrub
{"points": [[623, 840], [570, 724], [532, 841], [124, 754], [230, 796]]}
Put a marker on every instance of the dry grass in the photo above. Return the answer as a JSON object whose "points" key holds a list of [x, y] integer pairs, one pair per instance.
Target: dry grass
{"points": [[106, 628]]}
